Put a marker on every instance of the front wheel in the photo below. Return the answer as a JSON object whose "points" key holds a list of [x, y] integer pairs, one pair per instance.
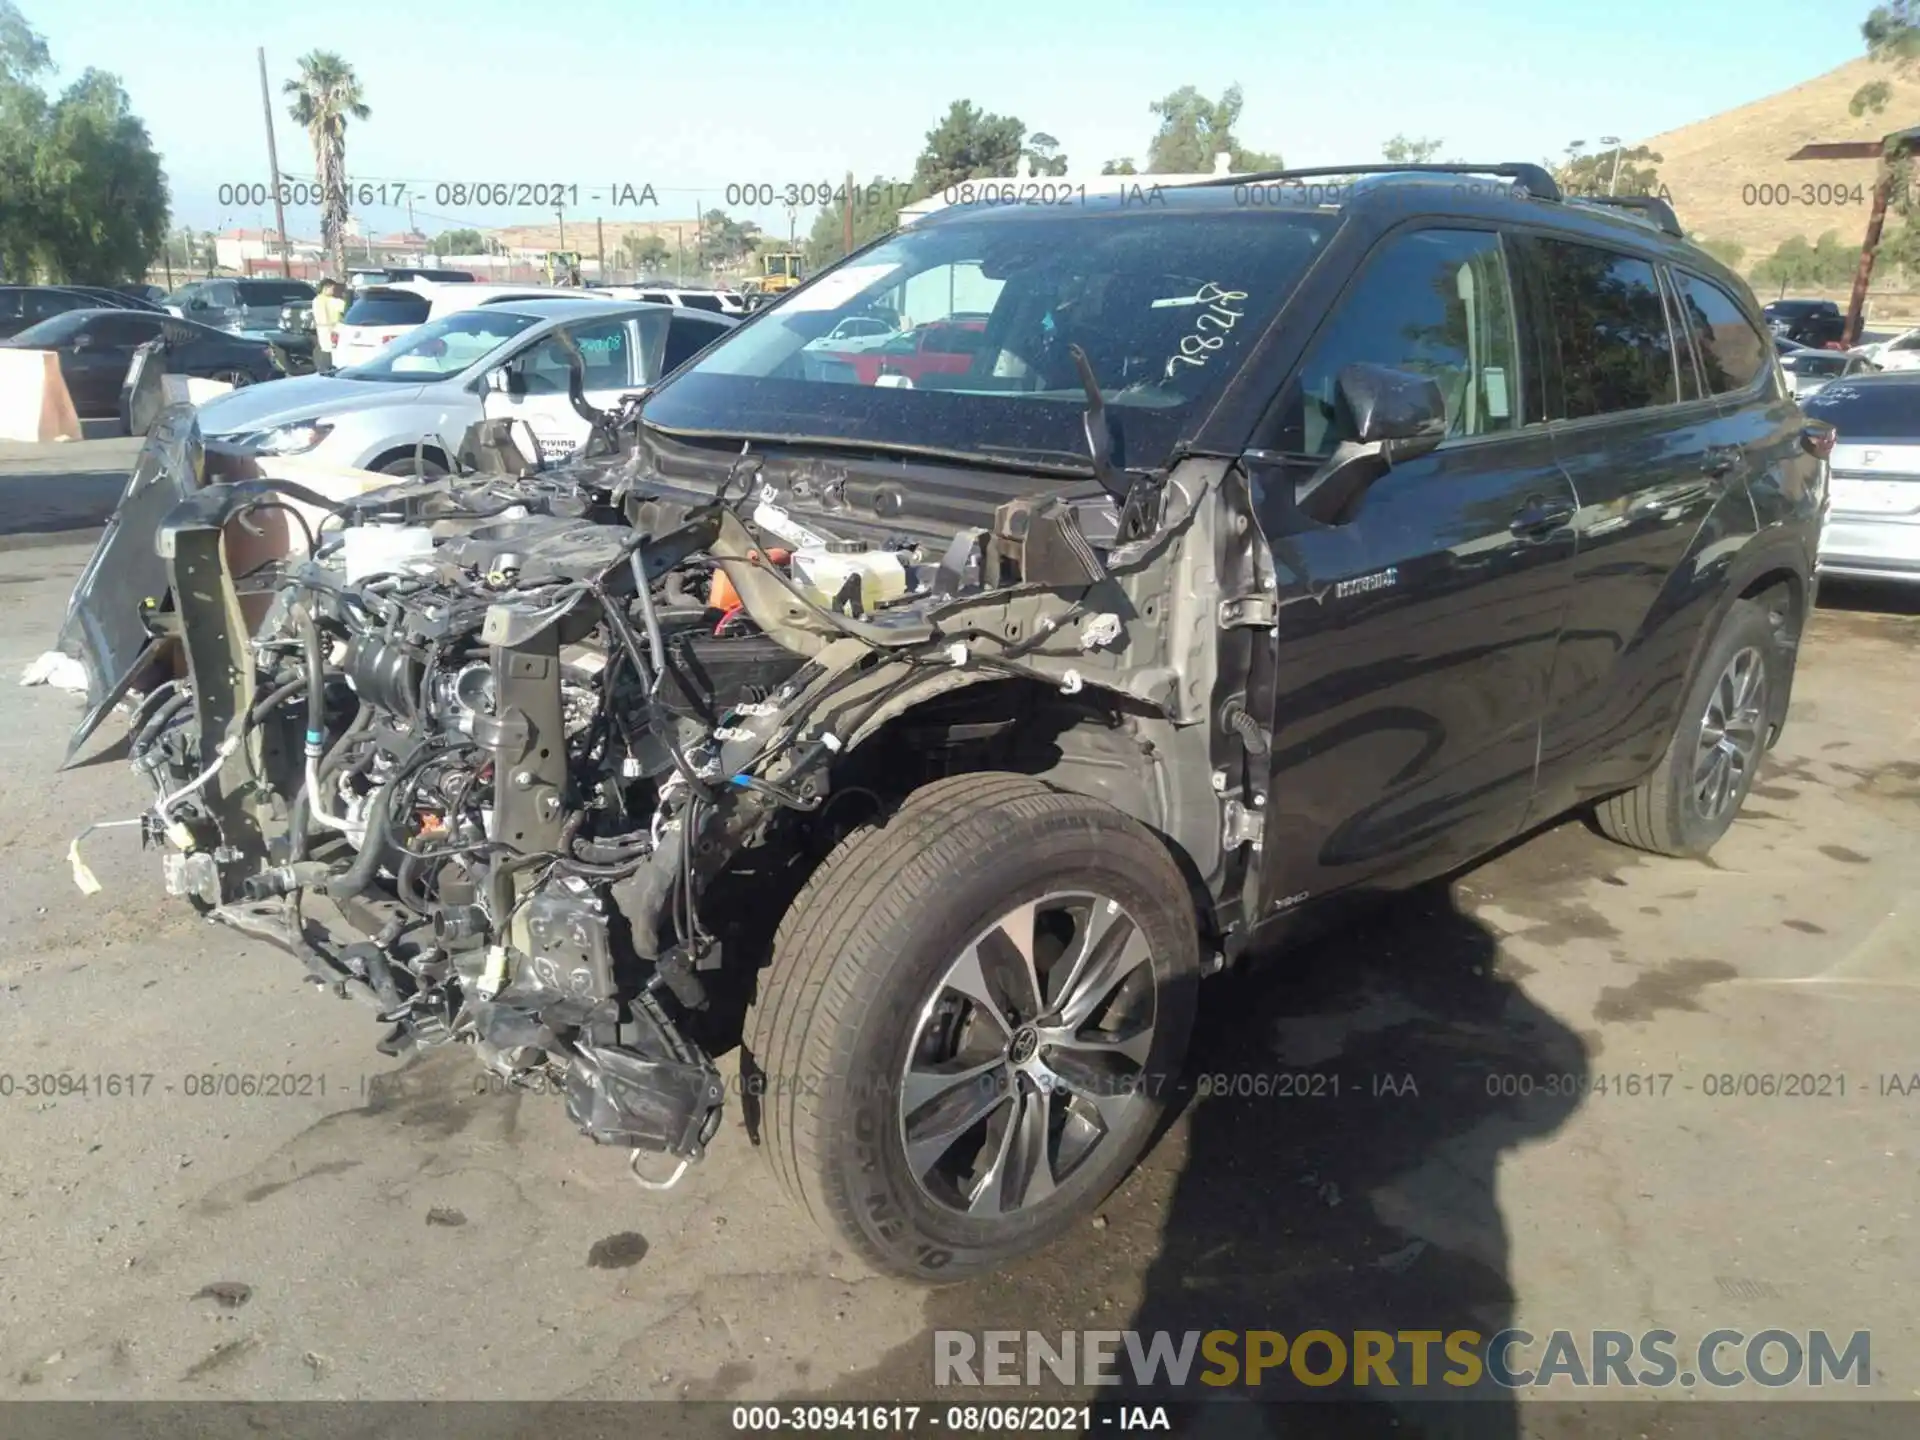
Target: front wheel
{"points": [[973, 1022]]}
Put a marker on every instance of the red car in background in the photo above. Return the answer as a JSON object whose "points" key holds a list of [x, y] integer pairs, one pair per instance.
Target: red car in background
{"points": [[939, 347]]}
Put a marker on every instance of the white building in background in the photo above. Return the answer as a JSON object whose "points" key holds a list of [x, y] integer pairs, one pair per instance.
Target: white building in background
{"points": [[246, 250], [1058, 189]]}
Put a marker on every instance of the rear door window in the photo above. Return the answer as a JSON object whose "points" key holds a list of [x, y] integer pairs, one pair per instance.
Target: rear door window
{"points": [[1616, 351], [41, 303], [1436, 302], [124, 329], [687, 336], [275, 292], [703, 302], [387, 307], [1732, 352]]}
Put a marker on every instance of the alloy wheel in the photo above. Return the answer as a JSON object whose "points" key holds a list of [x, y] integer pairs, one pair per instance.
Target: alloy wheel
{"points": [[1029, 1056], [1730, 734]]}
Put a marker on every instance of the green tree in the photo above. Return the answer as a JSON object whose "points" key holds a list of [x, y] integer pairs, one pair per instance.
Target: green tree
{"points": [[1827, 264], [1044, 153], [724, 241], [1593, 174], [1193, 129], [1892, 35], [1401, 150], [458, 242], [1122, 166], [326, 94], [642, 252], [82, 196], [968, 144], [1728, 252]]}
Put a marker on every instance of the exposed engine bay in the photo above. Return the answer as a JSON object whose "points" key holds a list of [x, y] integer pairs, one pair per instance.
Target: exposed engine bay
{"points": [[491, 751]]}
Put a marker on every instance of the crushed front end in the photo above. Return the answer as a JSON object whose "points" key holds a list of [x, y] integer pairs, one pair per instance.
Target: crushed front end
{"points": [[478, 751]]}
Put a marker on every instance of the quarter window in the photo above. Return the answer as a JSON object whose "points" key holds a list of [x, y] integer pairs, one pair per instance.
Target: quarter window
{"points": [[1435, 302], [1616, 352], [1732, 352]]}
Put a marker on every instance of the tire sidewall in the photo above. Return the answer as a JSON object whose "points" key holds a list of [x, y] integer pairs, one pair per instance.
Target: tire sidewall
{"points": [[866, 1162], [1745, 626]]}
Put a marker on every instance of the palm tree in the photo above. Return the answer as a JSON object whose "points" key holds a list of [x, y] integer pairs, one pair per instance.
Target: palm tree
{"points": [[325, 95]]}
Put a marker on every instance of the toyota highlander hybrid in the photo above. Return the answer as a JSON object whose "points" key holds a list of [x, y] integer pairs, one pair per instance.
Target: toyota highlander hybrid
{"points": [[954, 723]]}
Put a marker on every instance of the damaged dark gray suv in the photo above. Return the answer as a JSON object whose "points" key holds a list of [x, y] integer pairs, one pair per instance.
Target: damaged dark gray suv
{"points": [[925, 712]]}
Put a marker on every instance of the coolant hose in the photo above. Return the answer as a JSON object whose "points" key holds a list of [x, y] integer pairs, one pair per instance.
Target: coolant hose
{"points": [[373, 848]]}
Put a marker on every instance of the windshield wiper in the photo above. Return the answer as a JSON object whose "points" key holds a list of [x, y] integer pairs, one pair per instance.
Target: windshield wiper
{"points": [[1132, 492]]}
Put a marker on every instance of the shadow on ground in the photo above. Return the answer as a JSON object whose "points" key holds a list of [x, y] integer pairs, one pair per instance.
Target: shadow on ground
{"points": [[1333, 1169]]}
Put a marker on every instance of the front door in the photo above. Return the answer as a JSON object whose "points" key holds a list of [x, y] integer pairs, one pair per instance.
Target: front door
{"points": [[1416, 638], [609, 352]]}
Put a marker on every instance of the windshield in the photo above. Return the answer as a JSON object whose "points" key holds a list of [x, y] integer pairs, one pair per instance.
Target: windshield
{"points": [[973, 321], [443, 347], [1868, 412]]}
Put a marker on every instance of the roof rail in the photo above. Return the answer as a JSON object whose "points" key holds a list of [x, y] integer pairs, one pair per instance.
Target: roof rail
{"points": [[1652, 206], [1539, 183]]}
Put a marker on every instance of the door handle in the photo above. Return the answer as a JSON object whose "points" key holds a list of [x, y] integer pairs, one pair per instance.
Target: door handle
{"points": [[1719, 462], [1539, 517]]}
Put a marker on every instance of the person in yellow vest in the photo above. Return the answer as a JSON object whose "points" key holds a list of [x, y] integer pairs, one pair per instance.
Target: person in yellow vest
{"points": [[329, 304]]}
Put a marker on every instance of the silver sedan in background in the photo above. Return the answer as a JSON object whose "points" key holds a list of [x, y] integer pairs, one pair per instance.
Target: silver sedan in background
{"points": [[1873, 521]]}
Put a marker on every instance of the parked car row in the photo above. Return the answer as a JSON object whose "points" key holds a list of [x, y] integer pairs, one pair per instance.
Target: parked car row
{"points": [[95, 350], [506, 357], [24, 305]]}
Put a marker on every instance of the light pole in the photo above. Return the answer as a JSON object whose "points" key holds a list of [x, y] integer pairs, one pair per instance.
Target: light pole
{"points": [[1613, 185]]}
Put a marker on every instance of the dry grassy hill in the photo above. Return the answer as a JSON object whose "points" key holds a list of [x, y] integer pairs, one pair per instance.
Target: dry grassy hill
{"points": [[1710, 163], [581, 235]]}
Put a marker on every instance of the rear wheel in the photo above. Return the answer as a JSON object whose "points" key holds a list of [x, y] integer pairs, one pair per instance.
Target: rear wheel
{"points": [[973, 1021], [1692, 797]]}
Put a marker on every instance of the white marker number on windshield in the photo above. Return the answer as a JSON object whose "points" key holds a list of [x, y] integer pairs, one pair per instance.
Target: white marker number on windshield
{"points": [[1219, 316]]}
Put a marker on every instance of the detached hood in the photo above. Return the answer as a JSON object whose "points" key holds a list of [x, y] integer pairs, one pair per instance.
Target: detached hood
{"points": [[300, 397], [104, 628]]}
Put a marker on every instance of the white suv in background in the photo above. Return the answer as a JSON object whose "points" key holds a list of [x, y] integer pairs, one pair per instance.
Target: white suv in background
{"points": [[381, 314], [717, 302]]}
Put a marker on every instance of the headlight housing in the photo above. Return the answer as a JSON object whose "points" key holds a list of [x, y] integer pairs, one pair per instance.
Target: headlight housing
{"points": [[295, 439]]}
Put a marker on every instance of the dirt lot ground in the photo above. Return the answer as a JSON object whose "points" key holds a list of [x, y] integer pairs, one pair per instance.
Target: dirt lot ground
{"points": [[397, 1230]]}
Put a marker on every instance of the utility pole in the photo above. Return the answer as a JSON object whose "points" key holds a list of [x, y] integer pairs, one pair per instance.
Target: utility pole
{"points": [[846, 214], [600, 243], [1613, 185], [273, 164]]}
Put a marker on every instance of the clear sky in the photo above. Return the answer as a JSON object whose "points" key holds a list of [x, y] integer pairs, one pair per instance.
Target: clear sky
{"points": [[696, 96]]}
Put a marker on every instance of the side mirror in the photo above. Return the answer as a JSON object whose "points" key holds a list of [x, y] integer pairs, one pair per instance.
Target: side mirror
{"points": [[1398, 415], [82, 341], [506, 381], [1398, 409]]}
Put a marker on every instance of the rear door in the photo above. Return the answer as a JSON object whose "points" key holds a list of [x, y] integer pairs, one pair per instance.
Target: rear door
{"points": [[1652, 454], [96, 365], [1414, 640]]}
